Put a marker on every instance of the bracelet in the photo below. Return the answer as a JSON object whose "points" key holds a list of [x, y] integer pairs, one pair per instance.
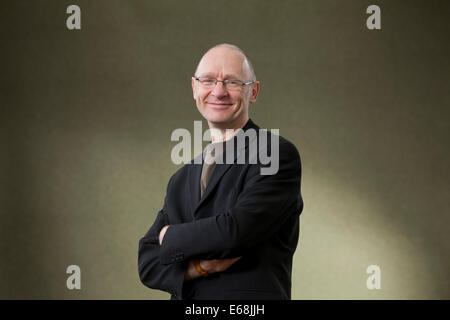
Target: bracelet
{"points": [[199, 269]]}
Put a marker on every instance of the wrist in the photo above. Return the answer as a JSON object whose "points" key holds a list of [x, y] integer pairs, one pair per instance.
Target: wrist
{"points": [[191, 273]]}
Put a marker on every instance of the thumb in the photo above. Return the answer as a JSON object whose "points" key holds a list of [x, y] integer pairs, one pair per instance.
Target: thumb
{"points": [[235, 259]]}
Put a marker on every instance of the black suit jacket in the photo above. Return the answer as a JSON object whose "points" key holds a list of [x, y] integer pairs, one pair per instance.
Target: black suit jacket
{"points": [[242, 213]]}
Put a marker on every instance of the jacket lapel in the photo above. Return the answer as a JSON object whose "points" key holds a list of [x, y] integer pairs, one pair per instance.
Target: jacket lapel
{"points": [[217, 174], [195, 173]]}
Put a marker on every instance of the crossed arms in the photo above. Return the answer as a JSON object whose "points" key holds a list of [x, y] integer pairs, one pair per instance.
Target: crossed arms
{"points": [[206, 266], [167, 250]]}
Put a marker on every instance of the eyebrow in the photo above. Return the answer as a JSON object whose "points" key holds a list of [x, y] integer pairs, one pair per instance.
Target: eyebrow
{"points": [[226, 76]]}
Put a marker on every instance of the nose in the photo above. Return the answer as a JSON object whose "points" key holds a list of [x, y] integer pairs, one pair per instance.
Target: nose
{"points": [[219, 90]]}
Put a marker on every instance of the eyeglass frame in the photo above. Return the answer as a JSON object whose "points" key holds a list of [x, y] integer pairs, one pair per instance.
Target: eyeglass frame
{"points": [[224, 82]]}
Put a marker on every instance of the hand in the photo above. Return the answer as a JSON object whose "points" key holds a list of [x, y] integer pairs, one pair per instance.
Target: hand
{"points": [[218, 265], [210, 266], [162, 233]]}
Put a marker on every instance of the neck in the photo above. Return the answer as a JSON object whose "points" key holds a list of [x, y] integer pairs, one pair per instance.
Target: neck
{"points": [[224, 132]]}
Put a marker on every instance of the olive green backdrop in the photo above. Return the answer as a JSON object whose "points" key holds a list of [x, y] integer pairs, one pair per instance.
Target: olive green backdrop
{"points": [[86, 118]]}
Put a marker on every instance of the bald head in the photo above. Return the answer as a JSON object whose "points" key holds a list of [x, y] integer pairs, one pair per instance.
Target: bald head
{"points": [[226, 54]]}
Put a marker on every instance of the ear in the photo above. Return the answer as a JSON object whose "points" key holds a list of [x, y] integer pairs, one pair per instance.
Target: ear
{"points": [[254, 92], [194, 91]]}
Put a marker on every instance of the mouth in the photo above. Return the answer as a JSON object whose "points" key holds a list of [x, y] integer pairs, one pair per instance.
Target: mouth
{"points": [[219, 105]]}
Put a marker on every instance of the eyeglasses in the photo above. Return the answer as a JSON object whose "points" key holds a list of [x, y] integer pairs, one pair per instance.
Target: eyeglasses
{"points": [[210, 83]]}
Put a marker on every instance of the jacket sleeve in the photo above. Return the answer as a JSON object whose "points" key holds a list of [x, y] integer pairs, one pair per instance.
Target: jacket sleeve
{"points": [[264, 205], [152, 272]]}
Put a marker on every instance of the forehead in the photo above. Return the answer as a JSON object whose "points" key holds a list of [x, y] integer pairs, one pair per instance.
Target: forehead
{"points": [[224, 62]]}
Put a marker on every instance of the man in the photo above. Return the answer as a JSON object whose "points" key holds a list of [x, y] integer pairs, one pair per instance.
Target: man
{"points": [[226, 231]]}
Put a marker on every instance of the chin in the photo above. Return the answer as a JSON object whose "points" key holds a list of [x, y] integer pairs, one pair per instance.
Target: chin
{"points": [[218, 116], [218, 119]]}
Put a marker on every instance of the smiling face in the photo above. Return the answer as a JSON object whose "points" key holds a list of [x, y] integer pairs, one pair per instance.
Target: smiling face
{"points": [[223, 108]]}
